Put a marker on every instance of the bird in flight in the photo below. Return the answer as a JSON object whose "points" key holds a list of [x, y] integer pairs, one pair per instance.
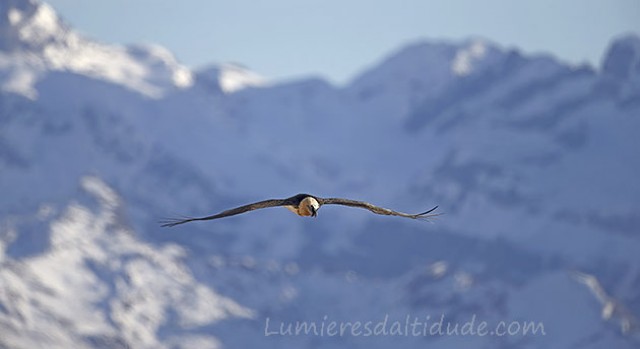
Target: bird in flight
{"points": [[303, 205]]}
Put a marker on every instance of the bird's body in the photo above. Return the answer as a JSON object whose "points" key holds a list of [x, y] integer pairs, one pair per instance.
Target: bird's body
{"points": [[304, 205], [308, 206]]}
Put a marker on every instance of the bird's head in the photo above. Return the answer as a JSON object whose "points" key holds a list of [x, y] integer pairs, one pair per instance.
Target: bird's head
{"points": [[312, 206]]}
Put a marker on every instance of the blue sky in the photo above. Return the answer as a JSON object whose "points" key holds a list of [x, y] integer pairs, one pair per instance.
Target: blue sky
{"points": [[283, 39]]}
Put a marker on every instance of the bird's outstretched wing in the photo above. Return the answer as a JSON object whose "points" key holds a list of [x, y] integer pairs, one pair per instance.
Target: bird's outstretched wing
{"points": [[231, 212], [377, 209]]}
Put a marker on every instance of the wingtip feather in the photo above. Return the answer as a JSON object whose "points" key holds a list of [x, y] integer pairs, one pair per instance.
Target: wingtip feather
{"points": [[172, 222], [429, 211], [426, 215]]}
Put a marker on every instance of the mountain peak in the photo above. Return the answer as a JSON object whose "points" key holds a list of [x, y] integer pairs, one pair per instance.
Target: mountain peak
{"points": [[421, 70], [30, 25], [622, 60], [229, 78], [473, 55], [35, 41]]}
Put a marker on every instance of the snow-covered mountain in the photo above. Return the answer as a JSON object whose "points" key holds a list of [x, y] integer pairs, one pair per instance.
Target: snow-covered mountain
{"points": [[533, 161]]}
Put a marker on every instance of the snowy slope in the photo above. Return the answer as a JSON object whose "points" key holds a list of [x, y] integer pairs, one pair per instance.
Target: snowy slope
{"points": [[36, 42], [533, 161], [97, 285]]}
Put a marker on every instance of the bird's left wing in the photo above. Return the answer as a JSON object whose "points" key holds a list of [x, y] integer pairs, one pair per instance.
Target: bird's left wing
{"points": [[376, 209], [231, 212]]}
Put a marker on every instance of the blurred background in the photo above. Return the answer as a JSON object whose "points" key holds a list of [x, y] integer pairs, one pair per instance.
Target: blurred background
{"points": [[519, 121]]}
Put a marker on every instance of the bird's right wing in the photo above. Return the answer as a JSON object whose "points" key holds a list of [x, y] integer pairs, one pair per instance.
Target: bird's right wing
{"points": [[232, 212], [377, 209]]}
